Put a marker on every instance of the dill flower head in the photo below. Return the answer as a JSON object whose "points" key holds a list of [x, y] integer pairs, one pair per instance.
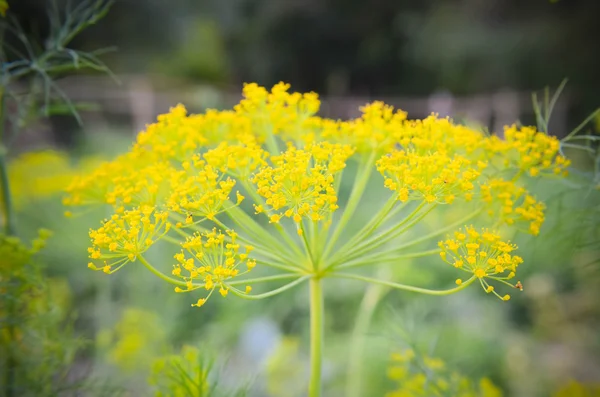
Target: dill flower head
{"points": [[513, 205], [207, 257], [529, 150], [277, 112], [3, 7], [199, 189], [434, 177], [272, 166], [125, 236], [434, 134], [373, 132], [239, 161], [483, 254], [301, 182]]}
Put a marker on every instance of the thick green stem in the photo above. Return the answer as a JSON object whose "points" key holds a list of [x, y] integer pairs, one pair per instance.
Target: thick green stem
{"points": [[9, 230], [316, 336], [9, 222]]}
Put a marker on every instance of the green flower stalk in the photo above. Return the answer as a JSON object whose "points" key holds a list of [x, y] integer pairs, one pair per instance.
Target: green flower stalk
{"points": [[252, 196]]}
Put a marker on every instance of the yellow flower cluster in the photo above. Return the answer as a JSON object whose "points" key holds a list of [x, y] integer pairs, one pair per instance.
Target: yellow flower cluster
{"points": [[442, 135], [43, 174], [185, 168], [483, 254], [434, 177], [301, 182], [529, 150], [199, 190], [425, 376], [139, 186], [277, 112], [513, 205], [372, 132], [239, 161], [3, 7], [173, 136], [125, 236], [103, 184], [211, 260]]}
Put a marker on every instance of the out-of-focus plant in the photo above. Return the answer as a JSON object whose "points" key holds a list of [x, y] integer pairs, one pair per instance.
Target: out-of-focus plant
{"points": [[138, 346], [37, 345], [418, 375], [285, 373], [576, 389], [37, 66], [43, 174], [182, 375], [186, 179], [579, 138], [135, 341], [201, 54], [36, 341], [189, 373]]}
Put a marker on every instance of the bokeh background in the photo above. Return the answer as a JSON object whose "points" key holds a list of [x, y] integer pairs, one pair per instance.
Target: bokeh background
{"points": [[477, 61]]}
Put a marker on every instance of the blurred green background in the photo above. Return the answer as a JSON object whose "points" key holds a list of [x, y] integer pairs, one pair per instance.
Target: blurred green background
{"points": [[477, 61]]}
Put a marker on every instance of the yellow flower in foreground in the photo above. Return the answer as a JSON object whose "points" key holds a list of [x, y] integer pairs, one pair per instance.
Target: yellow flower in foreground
{"points": [[301, 182], [123, 237], [530, 151], [513, 205], [213, 258], [273, 150], [199, 190], [434, 177], [288, 163], [483, 254]]}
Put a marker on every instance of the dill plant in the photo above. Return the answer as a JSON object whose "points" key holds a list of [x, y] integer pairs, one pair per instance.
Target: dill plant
{"points": [[252, 196]]}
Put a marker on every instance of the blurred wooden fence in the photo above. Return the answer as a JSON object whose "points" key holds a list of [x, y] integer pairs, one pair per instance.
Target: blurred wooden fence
{"points": [[137, 101]]}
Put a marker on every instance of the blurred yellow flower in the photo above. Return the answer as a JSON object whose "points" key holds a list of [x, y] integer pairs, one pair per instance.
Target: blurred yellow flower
{"points": [[3, 7], [416, 375]]}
